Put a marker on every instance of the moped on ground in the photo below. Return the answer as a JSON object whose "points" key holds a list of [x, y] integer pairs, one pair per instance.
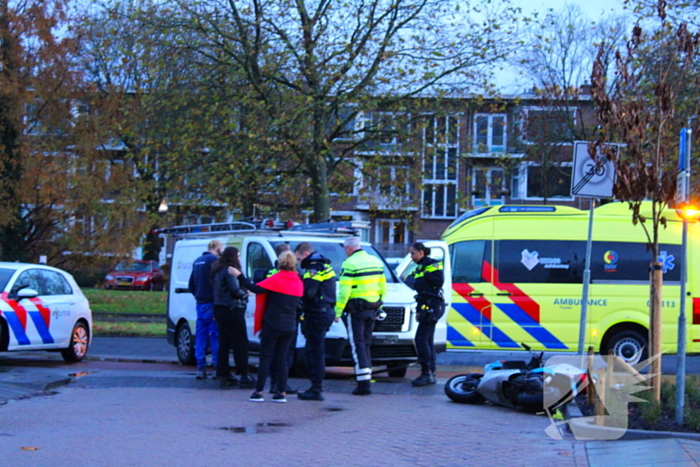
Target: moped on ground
{"points": [[517, 384]]}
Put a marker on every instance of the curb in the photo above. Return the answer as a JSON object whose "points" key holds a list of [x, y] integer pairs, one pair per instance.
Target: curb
{"points": [[130, 360], [584, 429]]}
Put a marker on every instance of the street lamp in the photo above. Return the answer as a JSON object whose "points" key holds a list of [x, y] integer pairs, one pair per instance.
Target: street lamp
{"points": [[163, 207]]}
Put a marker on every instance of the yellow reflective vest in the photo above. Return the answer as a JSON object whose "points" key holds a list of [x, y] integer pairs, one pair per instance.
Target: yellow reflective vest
{"points": [[362, 276]]}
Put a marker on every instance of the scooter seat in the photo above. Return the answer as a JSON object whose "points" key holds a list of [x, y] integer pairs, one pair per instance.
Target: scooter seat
{"points": [[514, 365]]}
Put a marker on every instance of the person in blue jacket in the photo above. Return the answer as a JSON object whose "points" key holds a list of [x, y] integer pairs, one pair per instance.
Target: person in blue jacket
{"points": [[200, 286]]}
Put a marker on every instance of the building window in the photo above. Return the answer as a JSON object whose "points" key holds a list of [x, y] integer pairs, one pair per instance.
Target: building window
{"points": [[389, 129], [391, 237], [488, 186], [439, 200], [440, 167], [548, 125], [441, 130], [388, 185], [345, 123], [490, 133], [552, 181]]}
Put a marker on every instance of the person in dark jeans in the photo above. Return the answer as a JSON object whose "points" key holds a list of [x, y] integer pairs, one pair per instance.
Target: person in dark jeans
{"points": [[200, 286], [427, 280], [317, 304], [276, 314], [230, 302]]}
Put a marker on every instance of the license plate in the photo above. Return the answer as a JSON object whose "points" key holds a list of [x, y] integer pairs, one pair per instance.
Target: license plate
{"points": [[124, 283], [385, 340]]}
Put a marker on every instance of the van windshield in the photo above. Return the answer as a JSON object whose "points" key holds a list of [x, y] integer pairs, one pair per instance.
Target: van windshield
{"points": [[335, 252]]}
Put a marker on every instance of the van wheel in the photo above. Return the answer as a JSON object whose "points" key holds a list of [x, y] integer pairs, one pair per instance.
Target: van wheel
{"points": [[397, 369], [79, 342], [185, 345], [629, 345]]}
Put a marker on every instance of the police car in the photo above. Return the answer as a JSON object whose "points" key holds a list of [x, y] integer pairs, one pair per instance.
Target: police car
{"points": [[42, 308]]}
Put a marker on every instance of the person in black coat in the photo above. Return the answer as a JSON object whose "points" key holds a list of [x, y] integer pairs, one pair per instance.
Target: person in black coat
{"points": [[427, 280], [276, 314], [230, 301]]}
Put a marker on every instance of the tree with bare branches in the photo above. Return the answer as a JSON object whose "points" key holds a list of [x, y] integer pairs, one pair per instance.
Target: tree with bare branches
{"points": [[643, 109], [312, 68]]}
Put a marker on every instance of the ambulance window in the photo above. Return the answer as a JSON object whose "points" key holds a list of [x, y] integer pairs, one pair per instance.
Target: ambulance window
{"points": [[540, 261], [27, 280], [467, 261], [621, 261], [257, 258], [55, 284]]}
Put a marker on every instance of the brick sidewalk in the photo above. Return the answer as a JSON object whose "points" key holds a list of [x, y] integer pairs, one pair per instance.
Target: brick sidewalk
{"points": [[173, 426]]}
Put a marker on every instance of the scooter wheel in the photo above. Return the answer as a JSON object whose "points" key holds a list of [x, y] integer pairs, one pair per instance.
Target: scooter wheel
{"points": [[535, 402], [462, 388]]}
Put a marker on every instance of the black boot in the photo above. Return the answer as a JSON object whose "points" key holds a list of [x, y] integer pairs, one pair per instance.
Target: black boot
{"points": [[362, 389], [424, 379], [311, 394]]}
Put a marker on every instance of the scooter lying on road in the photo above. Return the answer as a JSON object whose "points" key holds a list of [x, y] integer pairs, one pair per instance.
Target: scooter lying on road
{"points": [[516, 384]]}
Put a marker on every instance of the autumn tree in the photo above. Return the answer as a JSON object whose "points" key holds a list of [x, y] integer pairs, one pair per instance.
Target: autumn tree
{"points": [[642, 110], [48, 183], [556, 61], [154, 115], [313, 69]]}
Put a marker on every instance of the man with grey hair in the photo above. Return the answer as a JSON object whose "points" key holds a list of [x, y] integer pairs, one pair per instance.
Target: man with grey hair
{"points": [[362, 286]]}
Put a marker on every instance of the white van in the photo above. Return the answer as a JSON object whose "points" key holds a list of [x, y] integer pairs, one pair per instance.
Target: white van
{"points": [[393, 343]]}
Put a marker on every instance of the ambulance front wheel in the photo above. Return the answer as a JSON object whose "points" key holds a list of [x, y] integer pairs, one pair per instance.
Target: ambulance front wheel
{"points": [[79, 342], [628, 344]]}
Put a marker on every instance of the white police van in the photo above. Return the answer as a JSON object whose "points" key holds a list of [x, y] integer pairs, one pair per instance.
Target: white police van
{"points": [[393, 342]]}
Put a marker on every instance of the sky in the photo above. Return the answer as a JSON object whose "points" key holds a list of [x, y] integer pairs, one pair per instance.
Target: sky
{"points": [[593, 8], [509, 80]]}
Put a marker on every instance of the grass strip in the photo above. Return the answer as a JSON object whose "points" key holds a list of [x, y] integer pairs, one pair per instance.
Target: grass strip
{"points": [[126, 301], [128, 328]]}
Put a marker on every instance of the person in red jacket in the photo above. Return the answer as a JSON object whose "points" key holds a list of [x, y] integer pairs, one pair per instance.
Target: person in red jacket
{"points": [[276, 316]]}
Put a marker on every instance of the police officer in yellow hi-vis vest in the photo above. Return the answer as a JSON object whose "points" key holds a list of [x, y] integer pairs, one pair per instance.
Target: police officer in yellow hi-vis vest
{"points": [[362, 286]]}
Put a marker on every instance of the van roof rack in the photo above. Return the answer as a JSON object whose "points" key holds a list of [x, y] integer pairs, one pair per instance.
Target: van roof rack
{"points": [[339, 227], [259, 226]]}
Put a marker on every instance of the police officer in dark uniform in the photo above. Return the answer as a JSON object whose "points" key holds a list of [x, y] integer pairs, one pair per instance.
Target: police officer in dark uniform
{"points": [[317, 303], [427, 279]]}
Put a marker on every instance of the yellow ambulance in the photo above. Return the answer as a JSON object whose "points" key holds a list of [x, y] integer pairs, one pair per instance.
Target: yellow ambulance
{"points": [[517, 275]]}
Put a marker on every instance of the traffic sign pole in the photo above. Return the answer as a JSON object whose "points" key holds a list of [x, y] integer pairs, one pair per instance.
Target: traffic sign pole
{"points": [[591, 178], [685, 144], [586, 282]]}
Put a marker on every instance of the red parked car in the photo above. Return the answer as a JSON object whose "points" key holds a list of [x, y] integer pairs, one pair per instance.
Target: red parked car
{"points": [[136, 275]]}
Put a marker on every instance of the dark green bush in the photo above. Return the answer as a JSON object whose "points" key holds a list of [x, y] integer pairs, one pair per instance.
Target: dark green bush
{"points": [[89, 279]]}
